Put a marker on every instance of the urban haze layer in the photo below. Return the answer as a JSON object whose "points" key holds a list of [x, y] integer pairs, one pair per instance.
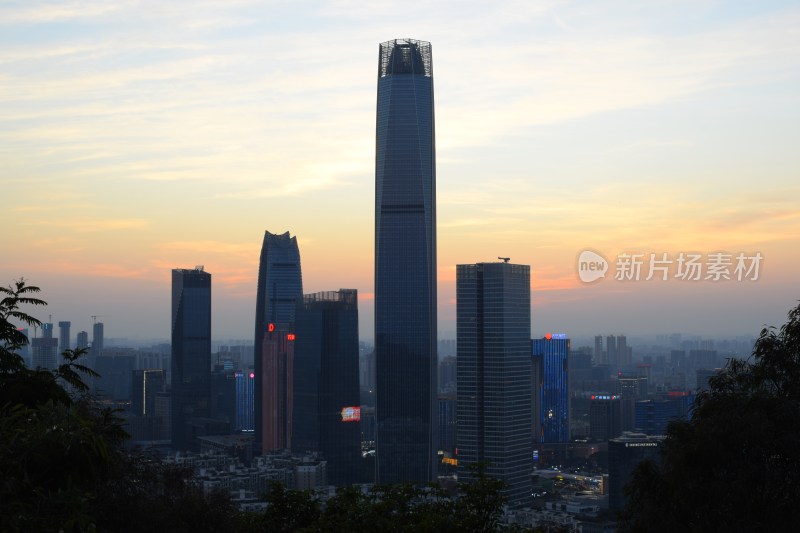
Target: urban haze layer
{"points": [[550, 415]]}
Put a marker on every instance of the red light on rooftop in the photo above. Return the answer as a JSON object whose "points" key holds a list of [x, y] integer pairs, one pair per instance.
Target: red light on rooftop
{"points": [[548, 336]]}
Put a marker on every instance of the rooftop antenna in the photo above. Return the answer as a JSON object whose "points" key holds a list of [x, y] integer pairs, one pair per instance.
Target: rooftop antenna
{"points": [[505, 259]]}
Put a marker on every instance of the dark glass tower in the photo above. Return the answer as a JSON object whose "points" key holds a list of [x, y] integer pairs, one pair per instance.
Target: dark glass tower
{"points": [[191, 352], [280, 285], [493, 325], [327, 410], [405, 264]]}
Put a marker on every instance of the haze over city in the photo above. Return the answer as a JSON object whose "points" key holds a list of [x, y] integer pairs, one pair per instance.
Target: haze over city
{"points": [[137, 137]]}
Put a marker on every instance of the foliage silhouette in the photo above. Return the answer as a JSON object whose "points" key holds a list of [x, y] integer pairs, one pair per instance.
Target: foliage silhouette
{"points": [[735, 466]]}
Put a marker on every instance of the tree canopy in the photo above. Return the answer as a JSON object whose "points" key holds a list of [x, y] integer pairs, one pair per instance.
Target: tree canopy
{"points": [[735, 466]]}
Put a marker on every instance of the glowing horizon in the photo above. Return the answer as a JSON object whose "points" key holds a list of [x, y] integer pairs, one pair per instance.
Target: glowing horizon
{"points": [[138, 137]]}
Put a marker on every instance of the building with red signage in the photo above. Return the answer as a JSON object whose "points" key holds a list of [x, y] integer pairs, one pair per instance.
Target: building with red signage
{"points": [[327, 409]]}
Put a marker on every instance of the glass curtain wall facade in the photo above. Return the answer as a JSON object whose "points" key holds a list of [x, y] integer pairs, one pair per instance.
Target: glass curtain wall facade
{"points": [[493, 328], [280, 285], [245, 382], [327, 406], [405, 264], [191, 352], [551, 356]]}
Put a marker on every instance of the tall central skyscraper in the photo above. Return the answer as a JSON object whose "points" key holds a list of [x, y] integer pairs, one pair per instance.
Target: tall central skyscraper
{"points": [[405, 264], [280, 285]]}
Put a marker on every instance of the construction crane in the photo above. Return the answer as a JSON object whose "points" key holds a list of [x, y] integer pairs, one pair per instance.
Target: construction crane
{"points": [[504, 259], [94, 318]]}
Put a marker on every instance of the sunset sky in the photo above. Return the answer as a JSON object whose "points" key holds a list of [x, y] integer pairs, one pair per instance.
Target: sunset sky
{"points": [[141, 136]]}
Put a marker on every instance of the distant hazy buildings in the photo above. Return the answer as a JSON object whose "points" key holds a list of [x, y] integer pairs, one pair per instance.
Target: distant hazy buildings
{"points": [[493, 324], [280, 285], [97, 340], [44, 350], [82, 340], [600, 356], [191, 353], [617, 354], [63, 336], [405, 264], [550, 357], [327, 407]]}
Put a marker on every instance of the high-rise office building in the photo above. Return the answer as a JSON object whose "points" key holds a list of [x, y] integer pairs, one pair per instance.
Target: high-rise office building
{"points": [[605, 417], [245, 385], [223, 394], [63, 336], [82, 340], [405, 264], [191, 352], [327, 406], [146, 384], [43, 350], [611, 351], [551, 356], [493, 325], [598, 355], [448, 423], [624, 453], [280, 285], [277, 398], [97, 339]]}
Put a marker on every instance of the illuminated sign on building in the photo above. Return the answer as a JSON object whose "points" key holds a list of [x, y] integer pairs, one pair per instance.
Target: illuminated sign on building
{"points": [[290, 337], [450, 461], [604, 397], [351, 414]]}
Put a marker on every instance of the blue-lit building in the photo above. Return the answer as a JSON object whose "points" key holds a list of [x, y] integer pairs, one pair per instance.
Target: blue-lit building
{"points": [[550, 355], [191, 354], [327, 405], [493, 330], [280, 285], [405, 264], [653, 416], [245, 385]]}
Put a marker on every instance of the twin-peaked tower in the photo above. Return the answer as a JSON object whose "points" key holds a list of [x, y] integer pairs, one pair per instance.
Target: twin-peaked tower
{"points": [[405, 264], [280, 286]]}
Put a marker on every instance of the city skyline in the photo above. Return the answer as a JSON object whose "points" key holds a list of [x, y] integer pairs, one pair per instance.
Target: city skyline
{"points": [[659, 128]]}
